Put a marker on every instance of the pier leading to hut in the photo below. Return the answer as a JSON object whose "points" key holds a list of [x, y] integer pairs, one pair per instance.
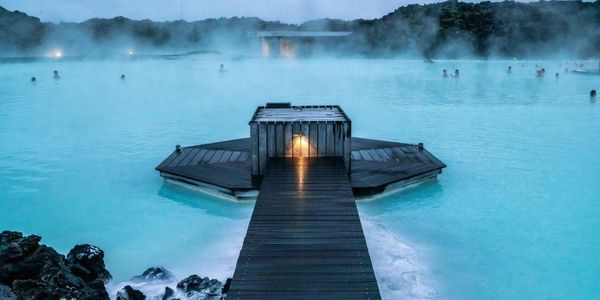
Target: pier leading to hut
{"points": [[301, 163], [282, 130]]}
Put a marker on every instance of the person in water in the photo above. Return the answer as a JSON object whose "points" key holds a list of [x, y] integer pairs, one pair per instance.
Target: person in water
{"points": [[556, 75], [56, 76], [33, 79], [540, 73], [456, 73], [222, 69], [509, 70], [445, 73], [122, 76], [593, 94]]}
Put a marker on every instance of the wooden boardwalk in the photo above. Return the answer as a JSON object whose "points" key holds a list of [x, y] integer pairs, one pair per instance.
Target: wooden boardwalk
{"points": [[305, 239]]}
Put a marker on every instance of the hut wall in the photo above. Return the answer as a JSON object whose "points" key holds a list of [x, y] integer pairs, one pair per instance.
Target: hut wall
{"points": [[298, 139]]}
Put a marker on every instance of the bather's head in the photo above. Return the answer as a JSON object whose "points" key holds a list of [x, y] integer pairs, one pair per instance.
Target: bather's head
{"points": [[593, 94], [33, 79]]}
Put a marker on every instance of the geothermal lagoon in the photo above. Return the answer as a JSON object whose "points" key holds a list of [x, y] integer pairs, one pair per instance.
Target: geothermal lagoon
{"points": [[514, 215]]}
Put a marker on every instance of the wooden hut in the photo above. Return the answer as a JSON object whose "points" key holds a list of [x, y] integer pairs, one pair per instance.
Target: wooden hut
{"points": [[282, 130]]}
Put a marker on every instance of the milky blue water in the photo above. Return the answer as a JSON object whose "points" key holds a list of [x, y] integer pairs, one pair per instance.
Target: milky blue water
{"points": [[514, 216]]}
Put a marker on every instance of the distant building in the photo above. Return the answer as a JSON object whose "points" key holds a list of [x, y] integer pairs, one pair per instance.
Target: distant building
{"points": [[293, 43]]}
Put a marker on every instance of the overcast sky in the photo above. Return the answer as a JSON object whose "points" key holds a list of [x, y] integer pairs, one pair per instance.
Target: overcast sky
{"points": [[290, 11]]}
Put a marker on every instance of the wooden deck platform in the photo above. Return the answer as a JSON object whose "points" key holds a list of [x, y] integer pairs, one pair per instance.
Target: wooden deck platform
{"points": [[305, 239], [375, 165]]}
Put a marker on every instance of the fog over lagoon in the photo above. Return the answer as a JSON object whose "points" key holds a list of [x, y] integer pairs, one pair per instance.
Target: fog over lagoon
{"points": [[513, 216]]}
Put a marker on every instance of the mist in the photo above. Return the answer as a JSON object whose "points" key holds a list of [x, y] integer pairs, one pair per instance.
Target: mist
{"points": [[446, 30]]}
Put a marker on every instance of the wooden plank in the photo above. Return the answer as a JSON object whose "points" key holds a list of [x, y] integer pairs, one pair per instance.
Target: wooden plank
{"points": [[373, 153], [391, 154], [271, 138], [225, 157], [216, 157], [365, 154], [279, 140], [330, 140], [181, 156], [235, 156], [198, 157], [347, 145], [339, 138], [254, 148], [262, 148], [322, 141], [244, 156], [208, 156], [313, 139], [287, 132], [383, 154], [166, 162], [188, 157]]}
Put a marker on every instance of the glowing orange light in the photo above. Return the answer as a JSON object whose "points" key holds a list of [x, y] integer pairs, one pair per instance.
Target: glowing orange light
{"points": [[300, 146]]}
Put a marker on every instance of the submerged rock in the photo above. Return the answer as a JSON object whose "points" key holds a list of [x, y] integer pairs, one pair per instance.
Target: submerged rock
{"points": [[154, 274], [35, 271], [168, 294], [196, 287], [129, 293]]}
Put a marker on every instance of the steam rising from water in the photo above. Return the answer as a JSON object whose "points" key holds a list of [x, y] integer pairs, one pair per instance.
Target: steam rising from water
{"points": [[399, 267]]}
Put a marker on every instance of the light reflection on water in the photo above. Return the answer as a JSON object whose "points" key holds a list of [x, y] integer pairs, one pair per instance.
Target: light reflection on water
{"points": [[516, 208]]}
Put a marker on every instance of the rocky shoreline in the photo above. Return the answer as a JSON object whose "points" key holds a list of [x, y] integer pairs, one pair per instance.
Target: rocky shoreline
{"points": [[30, 270]]}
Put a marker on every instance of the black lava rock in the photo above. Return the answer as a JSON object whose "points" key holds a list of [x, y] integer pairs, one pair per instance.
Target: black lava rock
{"points": [[195, 286], [169, 293], [226, 286], [90, 258], [6, 293], [129, 293], [35, 271], [154, 274]]}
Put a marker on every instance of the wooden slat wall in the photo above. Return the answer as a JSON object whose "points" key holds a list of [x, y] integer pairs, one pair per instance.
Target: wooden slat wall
{"points": [[322, 151], [330, 140], [271, 137], [254, 148], [279, 140], [262, 147], [287, 128], [306, 143], [313, 140], [276, 139]]}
